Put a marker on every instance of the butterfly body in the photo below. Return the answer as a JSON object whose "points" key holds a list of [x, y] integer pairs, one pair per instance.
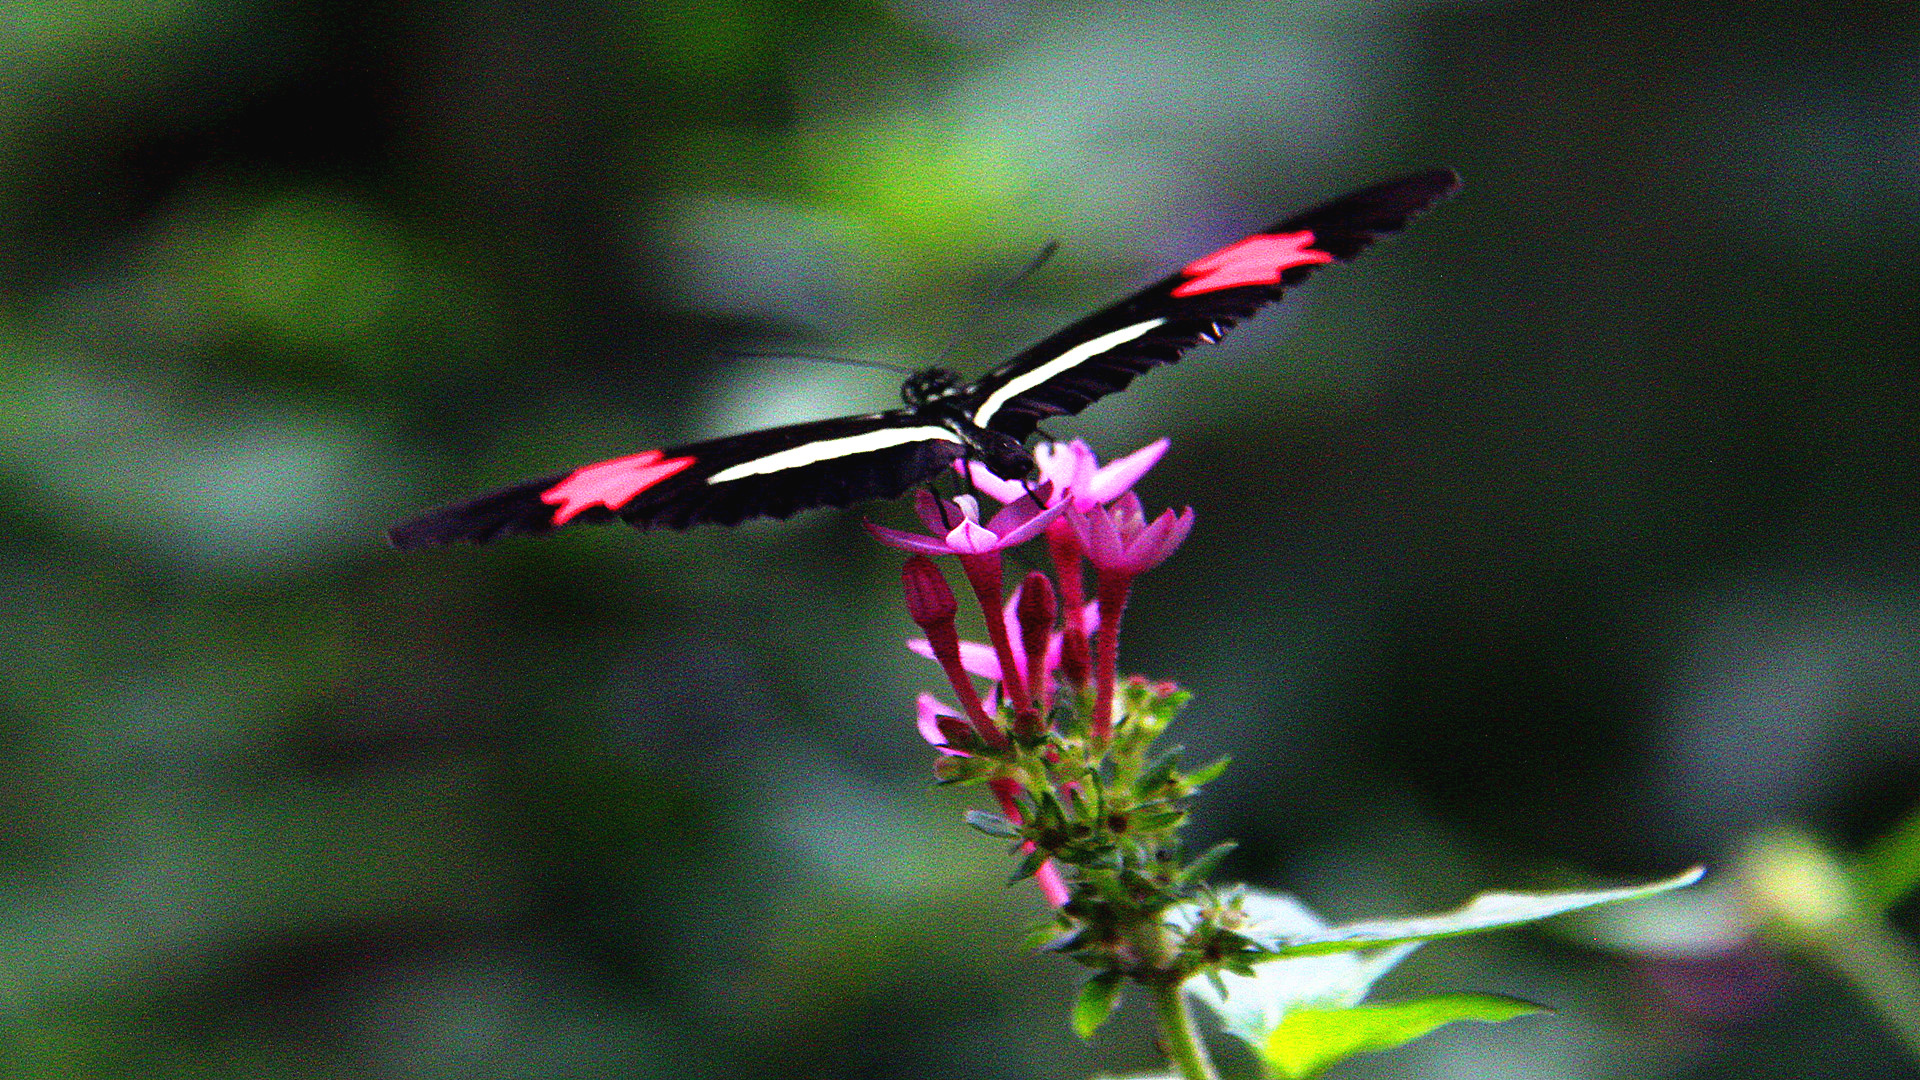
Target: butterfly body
{"points": [[777, 472]]}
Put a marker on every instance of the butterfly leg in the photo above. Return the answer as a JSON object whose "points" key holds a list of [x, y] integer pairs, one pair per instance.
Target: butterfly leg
{"points": [[940, 500], [1033, 493]]}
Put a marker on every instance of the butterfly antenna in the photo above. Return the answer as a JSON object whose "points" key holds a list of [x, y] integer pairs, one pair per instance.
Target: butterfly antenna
{"points": [[847, 361], [1000, 293]]}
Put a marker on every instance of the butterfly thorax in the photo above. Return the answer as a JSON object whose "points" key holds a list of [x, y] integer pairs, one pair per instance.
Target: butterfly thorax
{"points": [[997, 450], [937, 394], [929, 385], [1002, 453]]}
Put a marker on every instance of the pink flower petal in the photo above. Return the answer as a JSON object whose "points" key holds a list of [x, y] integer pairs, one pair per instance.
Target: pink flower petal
{"points": [[941, 515], [1117, 478], [1183, 526], [1155, 534], [1159, 540], [1068, 465], [1098, 537], [1052, 886], [977, 657], [927, 710], [1033, 526], [1002, 490], [906, 541], [1018, 512], [973, 538]]}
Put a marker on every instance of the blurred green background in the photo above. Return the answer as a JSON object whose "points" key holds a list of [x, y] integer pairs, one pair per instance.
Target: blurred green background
{"points": [[1573, 531]]}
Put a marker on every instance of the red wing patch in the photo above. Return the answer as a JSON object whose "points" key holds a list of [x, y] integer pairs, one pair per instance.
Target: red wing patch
{"points": [[611, 484], [1260, 259]]}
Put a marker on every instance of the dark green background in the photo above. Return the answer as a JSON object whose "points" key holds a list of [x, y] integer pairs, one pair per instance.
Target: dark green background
{"points": [[1573, 531]]}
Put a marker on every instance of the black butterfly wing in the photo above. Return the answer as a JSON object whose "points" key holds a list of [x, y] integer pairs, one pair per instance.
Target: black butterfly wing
{"points": [[781, 471], [1103, 352], [772, 473]]}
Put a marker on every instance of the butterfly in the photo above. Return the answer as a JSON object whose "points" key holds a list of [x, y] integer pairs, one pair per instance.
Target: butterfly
{"points": [[780, 471]]}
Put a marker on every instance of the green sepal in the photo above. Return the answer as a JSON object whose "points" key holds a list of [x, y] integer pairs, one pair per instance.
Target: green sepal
{"points": [[1098, 998], [993, 824], [1217, 981], [1108, 886], [1157, 774], [1163, 820], [1205, 774], [1030, 865], [1047, 811], [1061, 941]]}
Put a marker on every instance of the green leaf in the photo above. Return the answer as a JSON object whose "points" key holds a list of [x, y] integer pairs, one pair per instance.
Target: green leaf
{"points": [[1309, 965], [1311, 1039], [1206, 774], [1054, 939], [1197, 871], [1098, 997], [992, 824], [1488, 911], [1889, 869], [1146, 821], [1710, 919]]}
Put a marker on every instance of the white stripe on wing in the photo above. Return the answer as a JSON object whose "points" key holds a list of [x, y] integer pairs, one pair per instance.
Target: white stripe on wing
{"points": [[1065, 362], [828, 449]]}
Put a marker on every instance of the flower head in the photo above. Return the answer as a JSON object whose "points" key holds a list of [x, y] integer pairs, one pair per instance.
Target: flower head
{"points": [[1118, 540], [1073, 473], [956, 529]]}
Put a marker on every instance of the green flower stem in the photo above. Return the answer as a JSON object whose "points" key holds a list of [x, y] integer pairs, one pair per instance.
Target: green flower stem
{"points": [[1177, 1035], [1882, 967], [1802, 893]]}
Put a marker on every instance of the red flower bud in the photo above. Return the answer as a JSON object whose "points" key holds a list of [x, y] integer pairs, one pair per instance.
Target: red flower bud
{"points": [[929, 599], [1035, 611], [1037, 608]]}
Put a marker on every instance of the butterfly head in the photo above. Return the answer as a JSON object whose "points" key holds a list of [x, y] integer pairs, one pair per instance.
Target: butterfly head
{"points": [[1005, 455], [929, 385]]}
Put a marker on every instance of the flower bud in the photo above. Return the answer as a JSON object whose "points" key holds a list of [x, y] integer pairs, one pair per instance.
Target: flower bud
{"points": [[1037, 609], [930, 601]]}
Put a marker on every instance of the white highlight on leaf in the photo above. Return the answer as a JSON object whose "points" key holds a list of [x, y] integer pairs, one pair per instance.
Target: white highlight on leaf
{"points": [[1255, 1005], [1066, 361], [828, 449]]}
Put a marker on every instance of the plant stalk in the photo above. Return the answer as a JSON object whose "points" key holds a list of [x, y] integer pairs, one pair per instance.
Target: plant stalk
{"points": [[1177, 1034], [1883, 968]]}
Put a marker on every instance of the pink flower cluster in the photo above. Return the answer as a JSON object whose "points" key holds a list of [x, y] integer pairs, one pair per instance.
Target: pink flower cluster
{"points": [[1040, 637]]}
